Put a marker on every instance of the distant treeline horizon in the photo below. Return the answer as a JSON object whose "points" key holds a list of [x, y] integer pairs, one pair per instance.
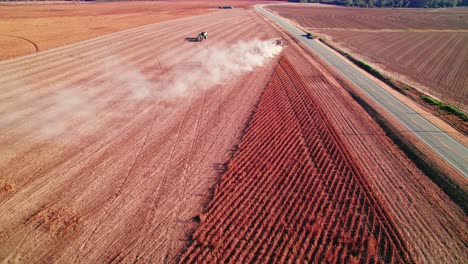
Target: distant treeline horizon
{"points": [[359, 3], [391, 3]]}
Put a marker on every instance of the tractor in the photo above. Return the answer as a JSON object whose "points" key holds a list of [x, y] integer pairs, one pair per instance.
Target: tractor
{"points": [[203, 35]]}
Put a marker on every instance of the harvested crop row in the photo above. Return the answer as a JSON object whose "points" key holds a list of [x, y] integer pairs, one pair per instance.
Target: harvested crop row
{"points": [[103, 159], [292, 192]]}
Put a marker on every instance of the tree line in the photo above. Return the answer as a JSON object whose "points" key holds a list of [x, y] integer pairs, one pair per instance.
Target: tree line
{"points": [[391, 3]]}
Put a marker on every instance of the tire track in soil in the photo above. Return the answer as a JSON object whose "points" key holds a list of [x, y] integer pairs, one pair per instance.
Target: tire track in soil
{"points": [[119, 257], [36, 48], [182, 189], [80, 178], [132, 167], [175, 148]]}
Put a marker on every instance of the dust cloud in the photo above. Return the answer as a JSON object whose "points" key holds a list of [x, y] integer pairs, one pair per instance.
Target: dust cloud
{"points": [[66, 107], [218, 63]]}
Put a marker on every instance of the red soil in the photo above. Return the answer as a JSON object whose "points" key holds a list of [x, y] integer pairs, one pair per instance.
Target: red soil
{"points": [[315, 178], [293, 192], [442, 64], [327, 17], [26, 28], [88, 172], [425, 48], [119, 179]]}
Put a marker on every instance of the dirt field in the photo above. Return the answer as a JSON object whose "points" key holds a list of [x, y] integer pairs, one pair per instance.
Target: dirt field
{"points": [[427, 48], [26, 29], [311, 183], [111, 147], [98, 161]]}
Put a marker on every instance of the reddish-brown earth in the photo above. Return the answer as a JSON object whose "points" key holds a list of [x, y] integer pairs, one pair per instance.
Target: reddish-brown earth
{"points": [[292, 192], [28, 28], [316, 179], [97, 165], [427, 48], [336, 17], [93, 168]]}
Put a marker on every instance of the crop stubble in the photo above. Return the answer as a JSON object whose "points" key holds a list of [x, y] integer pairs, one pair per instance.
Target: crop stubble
{"points": [[91, 173], [26, 28], [123, 182]]}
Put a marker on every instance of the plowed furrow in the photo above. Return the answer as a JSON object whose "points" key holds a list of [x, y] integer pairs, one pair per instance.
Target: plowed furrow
{"points": [[292, 192]]}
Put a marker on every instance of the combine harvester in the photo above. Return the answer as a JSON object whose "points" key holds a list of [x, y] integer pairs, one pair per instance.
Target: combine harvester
{"points": [[281, 42]]}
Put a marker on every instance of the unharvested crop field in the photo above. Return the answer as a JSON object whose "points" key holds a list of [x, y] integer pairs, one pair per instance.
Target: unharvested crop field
{"points": [[111, 148], [427, 48], [293, 192], [310, 183]]}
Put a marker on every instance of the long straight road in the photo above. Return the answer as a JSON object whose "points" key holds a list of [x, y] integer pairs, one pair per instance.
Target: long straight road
{"points": [[443, 144]]}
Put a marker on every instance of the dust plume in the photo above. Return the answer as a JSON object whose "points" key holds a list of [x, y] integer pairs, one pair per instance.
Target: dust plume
{"points": [[217, 64], [123, 92]]}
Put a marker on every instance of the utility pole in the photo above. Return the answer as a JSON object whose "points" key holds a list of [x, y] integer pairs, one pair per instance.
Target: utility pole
{"points": [[461, 98]]}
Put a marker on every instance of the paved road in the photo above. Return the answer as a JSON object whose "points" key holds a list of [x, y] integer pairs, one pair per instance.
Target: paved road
{"points": [[448, 148]]}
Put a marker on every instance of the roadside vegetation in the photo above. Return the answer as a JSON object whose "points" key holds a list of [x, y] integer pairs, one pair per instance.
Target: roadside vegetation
{"points": [[445, 107], [403, 88]]}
